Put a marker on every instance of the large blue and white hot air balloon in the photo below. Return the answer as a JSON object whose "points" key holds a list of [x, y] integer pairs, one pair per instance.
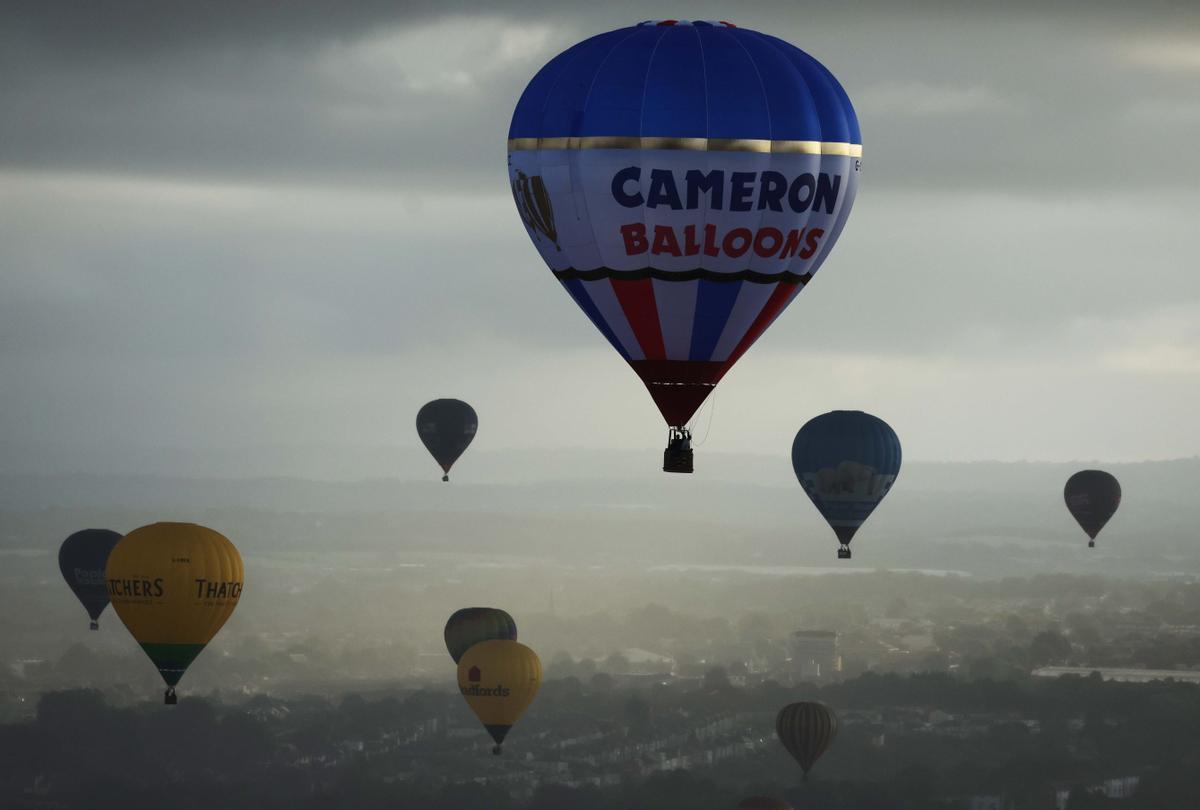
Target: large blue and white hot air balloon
{"points": [[683, 181]]}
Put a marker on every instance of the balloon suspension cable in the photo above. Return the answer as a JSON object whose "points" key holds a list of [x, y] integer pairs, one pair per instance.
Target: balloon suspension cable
{"points": [[711, 402], [169, 698], [496, 750], [94, 626]]}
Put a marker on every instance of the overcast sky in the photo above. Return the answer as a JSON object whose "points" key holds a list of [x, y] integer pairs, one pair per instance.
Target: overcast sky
{"points": [[231, 224]]}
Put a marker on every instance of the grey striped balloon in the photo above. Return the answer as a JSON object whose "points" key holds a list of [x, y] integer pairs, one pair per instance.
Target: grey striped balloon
{"points": [[806, 730]]}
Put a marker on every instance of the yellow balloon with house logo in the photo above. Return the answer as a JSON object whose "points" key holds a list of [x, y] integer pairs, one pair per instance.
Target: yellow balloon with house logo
{"points": [[499, 679], [174, 585]]}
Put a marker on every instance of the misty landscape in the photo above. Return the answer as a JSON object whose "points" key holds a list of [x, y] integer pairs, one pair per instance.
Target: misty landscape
{"points": [[964, 641], [343, 467]]}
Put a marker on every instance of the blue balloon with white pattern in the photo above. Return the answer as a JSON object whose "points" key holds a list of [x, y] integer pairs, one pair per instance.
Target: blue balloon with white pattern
{"points": [[847, 462]]}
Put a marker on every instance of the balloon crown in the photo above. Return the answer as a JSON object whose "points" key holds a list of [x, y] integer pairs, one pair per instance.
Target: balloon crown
{"points": [[713, 23]]}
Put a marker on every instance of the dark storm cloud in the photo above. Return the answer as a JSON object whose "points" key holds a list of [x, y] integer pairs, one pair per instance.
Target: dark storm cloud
{"points": [[948, 97]]}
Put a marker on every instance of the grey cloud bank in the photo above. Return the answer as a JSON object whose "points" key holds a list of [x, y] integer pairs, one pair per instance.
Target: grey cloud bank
{"points": [[238, 226]]}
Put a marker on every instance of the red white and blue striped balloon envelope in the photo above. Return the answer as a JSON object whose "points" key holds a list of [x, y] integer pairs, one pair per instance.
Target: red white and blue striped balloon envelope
{"points": [[683, 181]]}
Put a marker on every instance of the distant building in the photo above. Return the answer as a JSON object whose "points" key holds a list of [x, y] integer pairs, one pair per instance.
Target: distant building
{"points": [[644, 661], [815, 654], [1124, 675], [1123, 787]]}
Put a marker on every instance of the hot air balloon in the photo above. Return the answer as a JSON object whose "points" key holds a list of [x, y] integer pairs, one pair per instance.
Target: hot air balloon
{"points": [[499, 679], [446, 428], [846, 461], [469, 626], [763, 803], [174, 585], [683, 181], [81, 558], [806, 731], [1092, 496]]}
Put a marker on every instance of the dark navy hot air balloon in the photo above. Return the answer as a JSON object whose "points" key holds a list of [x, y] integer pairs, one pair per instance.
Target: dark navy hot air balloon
{"points": [[1092, 496], [846, 461], [82, 558], [446, 428], [683, 181]]}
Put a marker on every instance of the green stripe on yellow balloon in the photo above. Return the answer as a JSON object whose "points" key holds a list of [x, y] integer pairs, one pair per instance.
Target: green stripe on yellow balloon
{"points": [[172, 660]]}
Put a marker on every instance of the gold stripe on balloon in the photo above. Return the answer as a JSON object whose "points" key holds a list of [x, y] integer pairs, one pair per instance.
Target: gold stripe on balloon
{"points": [[758, 145]]}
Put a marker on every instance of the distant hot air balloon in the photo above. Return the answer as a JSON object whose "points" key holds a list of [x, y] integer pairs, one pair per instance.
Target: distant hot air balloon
{"points": [[847, 462], [683, 180], [446, 428], [82, 558], [806, 731], [499, 679], [1092, 496], [763, 803], [174, 585], [469, 626]]}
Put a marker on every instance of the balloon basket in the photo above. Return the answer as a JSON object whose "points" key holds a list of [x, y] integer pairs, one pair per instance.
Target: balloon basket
{"points": [[169, 698], [844, 553], [94, 626], [446, 478], [677, 458], [496, 750], [1091, 543]]}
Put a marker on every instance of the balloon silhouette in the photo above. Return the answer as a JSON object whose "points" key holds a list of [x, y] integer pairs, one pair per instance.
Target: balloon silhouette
{"points": [[1092, 497], [81, 559], [806, 731], [446, 427]]}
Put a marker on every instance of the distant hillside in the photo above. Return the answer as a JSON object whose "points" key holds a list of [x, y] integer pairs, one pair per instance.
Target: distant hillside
{"points": [[986, 518]]}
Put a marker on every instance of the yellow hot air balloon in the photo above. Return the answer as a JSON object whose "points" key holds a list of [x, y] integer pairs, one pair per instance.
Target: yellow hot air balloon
{"points": [[174, 585], [499, 679]]}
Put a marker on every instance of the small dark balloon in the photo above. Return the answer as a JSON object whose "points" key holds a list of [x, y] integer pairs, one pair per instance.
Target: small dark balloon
{"points": [[446, 427], [469, 626], [806, 730], [1092, 497], [82, 558]]}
